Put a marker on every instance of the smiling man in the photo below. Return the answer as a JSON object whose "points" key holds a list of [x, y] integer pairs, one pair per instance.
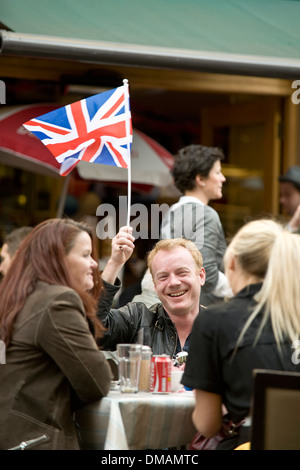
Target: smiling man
{"points": [[178, 275]]}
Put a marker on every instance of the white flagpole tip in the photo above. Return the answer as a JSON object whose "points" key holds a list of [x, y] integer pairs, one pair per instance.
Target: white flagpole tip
{"points": [[125, 81]]}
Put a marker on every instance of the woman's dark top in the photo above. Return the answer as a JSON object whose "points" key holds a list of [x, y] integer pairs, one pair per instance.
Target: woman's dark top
{"points": [[211, 365]]}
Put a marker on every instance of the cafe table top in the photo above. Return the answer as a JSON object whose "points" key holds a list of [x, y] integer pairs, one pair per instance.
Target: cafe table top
{"points": [[136, 421]]}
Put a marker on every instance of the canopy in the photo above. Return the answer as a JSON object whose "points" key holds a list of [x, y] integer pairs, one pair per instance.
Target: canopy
{"points": [[260, 37]]}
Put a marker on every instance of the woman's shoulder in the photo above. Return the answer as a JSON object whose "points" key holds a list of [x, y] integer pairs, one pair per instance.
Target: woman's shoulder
{"points": [[217, 309], [222, 322], [211, 213], [227, 310], [46, 294], [49, 301], [53, 289]]}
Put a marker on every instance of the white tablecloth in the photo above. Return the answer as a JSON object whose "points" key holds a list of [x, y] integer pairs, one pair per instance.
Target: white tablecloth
{"points": [[137, 421]]}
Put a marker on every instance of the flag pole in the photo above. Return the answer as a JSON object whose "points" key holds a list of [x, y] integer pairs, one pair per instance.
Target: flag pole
{"points": [[127, 123], [63, 198]]}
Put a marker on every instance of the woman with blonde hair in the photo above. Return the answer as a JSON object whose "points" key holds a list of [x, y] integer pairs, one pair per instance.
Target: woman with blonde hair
{"points": [[255, 329]]}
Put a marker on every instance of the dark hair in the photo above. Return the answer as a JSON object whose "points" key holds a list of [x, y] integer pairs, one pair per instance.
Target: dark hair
{"points": [[191, 161], [41, 256], [14, 238], [296, 185]]}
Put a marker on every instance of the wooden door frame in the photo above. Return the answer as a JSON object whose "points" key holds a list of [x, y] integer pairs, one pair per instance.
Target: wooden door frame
{"points": [[280, 144]]}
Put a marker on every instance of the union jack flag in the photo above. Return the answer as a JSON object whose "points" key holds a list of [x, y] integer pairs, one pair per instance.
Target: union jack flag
{"points": [[97, 129]]}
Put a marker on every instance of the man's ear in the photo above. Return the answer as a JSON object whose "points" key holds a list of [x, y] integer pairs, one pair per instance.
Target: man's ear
{"points": [[202, 276]]}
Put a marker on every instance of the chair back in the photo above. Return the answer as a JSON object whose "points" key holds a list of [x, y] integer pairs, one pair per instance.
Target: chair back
{"points": [[275, 410]]}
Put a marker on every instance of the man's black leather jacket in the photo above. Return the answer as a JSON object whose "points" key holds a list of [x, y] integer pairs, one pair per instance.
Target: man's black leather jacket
{"points": [[125, 324]]}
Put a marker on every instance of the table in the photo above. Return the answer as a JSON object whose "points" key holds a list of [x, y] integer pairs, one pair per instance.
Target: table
{"points": [[137, 421]]}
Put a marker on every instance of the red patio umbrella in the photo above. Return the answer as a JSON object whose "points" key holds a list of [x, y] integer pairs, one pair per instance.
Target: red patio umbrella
{"points": [[20, 148]]}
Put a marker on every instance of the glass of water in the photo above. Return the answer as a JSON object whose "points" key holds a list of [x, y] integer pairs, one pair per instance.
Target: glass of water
{"points": [[129, 357]]}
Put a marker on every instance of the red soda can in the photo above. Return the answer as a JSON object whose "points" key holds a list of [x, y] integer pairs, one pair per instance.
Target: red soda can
{"points": [[160, 374]]}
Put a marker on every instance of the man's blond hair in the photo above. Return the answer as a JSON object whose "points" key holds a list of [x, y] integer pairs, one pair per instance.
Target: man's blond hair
{"points": [[172, 243]]}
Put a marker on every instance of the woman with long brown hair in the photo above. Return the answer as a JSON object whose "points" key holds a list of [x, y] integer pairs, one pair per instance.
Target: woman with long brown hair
{"points": [[49, 325]]}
